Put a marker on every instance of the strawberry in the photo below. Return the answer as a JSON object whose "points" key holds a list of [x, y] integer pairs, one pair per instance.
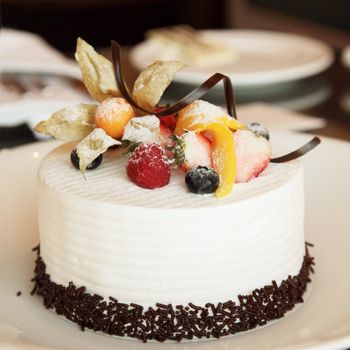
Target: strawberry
{"points": [[168, 120], [165, 134], [191, 150], [253, 155], [148, 166]]}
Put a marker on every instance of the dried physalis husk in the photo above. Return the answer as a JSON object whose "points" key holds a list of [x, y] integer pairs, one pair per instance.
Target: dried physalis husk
{"points": [[96, 143], [152, 82], [70, 123], [97, 72]]}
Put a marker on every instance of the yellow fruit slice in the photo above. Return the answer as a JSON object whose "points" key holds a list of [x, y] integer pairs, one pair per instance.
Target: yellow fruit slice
{"points": [[223, 155], [202, 112]]}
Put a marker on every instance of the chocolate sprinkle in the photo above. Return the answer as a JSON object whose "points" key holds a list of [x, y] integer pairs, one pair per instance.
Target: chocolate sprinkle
{"points": [[19, 293], [169, 322]]}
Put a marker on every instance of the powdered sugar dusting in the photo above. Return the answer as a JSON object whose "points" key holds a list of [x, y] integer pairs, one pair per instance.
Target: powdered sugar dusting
{"points": [[148, 166], [145, 150], [204, 112], [111, 107], [253, 154], [144, 129]]}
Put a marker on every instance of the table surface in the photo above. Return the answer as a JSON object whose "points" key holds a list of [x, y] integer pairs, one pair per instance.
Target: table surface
{"points": [[326, 95]]}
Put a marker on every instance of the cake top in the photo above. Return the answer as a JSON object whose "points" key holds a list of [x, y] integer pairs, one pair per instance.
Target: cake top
{"points": [[211, 146], [111, 183]]}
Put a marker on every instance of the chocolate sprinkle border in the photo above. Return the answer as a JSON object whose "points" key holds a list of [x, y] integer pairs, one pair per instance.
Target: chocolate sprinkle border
{"points": [[172, 322]]}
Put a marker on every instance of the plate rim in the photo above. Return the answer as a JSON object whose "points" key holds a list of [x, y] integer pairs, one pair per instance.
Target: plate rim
{"points": [[250, 79], [44, 147]]}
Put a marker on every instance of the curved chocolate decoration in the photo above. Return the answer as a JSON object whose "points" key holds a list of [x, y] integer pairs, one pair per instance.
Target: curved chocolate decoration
{"points": [[194, 95], [197, 93], [298, 152], [201, 90], [115, 50]]}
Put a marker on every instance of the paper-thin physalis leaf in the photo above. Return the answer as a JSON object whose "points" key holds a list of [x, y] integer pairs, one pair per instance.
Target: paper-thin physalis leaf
{"points": [[152, 82], [97, 72], [96, 143], [70, 123]]}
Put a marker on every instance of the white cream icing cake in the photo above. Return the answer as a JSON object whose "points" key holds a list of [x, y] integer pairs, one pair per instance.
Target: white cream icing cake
{"points": [[196, 234], [167, 245]]}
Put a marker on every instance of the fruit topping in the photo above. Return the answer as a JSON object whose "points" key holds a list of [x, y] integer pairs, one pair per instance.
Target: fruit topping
{"points": [[93, 165], [148, 166], [253, 154], [202, 112], [213, 148], [202, 180], [165, 134], [152, 82], [112, 115], [147, 129], [96, 143], [144, 129], [222, 153], [191, 150], [167, 120], [259, 130]]}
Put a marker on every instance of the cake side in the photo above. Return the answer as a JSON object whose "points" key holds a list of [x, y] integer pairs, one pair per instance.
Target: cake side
{"points": [[154, 255]]}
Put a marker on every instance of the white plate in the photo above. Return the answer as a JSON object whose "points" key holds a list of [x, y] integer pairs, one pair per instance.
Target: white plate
{"points": [[25, 52], [264, 57], [323, 322]]}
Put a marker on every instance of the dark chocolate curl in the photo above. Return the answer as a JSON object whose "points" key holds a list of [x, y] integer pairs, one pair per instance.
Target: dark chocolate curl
{"points": [[200, 91], [298, 152], [115, 50], [196, 94]]}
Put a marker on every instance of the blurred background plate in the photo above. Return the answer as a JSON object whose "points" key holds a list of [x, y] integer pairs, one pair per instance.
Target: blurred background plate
{"points": [[263, 57], [32, 97]]}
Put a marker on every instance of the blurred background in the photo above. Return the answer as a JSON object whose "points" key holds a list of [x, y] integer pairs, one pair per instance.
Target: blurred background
{"points": [[321, 96], [61, 21]]}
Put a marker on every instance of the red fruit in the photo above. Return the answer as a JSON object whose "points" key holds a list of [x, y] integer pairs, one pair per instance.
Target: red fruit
{"points": [[148, 166], [165, 134], [197, 151], [253, 154], [168, 120]]}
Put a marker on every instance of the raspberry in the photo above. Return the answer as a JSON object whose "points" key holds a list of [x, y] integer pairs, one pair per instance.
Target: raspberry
{"points": [[148, 166]]}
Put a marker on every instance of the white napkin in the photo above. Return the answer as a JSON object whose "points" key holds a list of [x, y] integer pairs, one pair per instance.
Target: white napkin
{"points": [[26, 52], [276, 118]]}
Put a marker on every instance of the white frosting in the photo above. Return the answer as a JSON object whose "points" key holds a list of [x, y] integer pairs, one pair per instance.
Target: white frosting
{"points": [[167, 245]]}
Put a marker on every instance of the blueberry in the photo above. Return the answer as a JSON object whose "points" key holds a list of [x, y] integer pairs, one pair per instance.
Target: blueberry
{"points": [[202, 180], [93, 165], [259, 130]]}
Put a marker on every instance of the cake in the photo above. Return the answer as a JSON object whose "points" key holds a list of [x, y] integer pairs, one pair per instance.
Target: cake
{"points": [[132, 249]]}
